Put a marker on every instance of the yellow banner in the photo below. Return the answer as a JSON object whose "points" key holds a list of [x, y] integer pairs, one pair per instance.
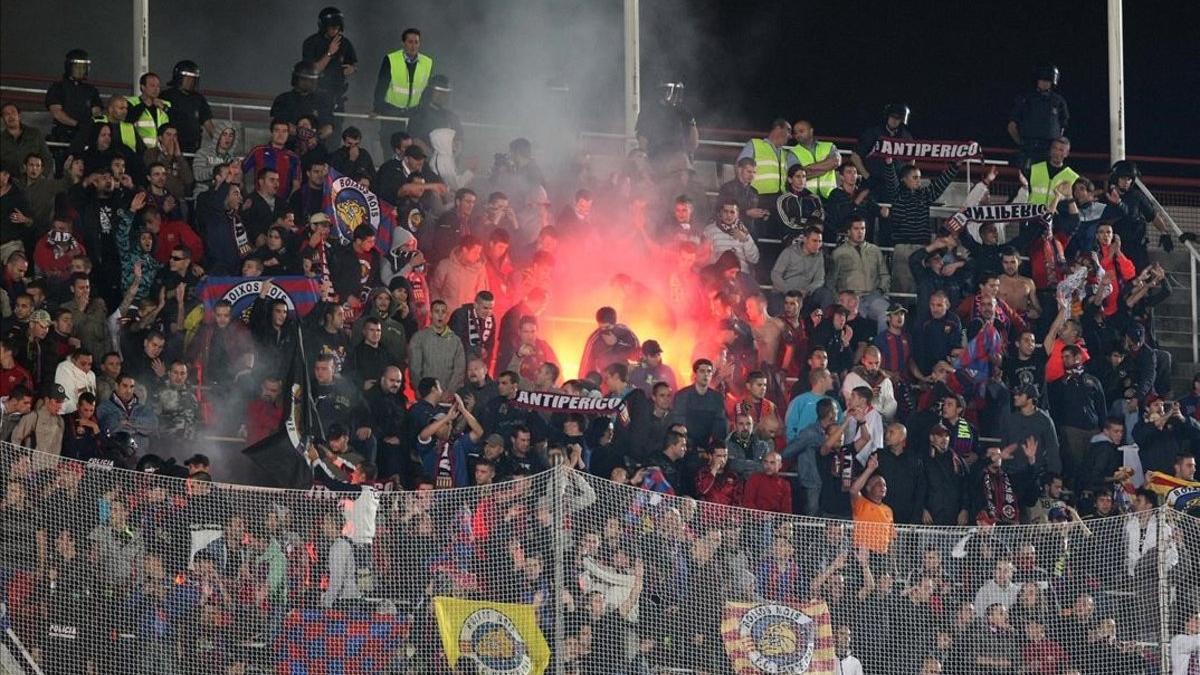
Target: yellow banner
{"points": [[501, 638]]}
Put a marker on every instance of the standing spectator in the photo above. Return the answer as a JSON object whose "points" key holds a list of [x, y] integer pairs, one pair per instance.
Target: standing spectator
{"points": [[220, 347], [18, 141], [741, 189], [905, 475], [89, 316], [895, 126], [302, 101], [226, 239], [215, 157], [999, 590], [859, 267], [274, 155], [176, 405], [727, 233], [351, 159], [849, 201], [74, 374], [148, 111], [801, 267], [1030, 421], [167, 152], [124, 412], [1185, 647], [766, 490], [1077, 403], [868, 374], [651, 369], [42, 429], [910, 214], [461, 275], [1162, 433], [947, 485], [437, 352], [717, 483], [702, 409], [994, 649], [874, 527]]}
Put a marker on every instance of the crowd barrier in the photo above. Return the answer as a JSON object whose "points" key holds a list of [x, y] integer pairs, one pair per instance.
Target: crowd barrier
{"points": [[111, 571]]}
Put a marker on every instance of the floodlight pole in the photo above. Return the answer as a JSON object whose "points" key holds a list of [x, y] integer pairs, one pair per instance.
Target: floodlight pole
{"points": [[1116, 81]]}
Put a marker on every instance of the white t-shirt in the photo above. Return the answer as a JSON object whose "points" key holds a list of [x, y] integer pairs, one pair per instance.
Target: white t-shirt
{"points": [[1184, 648]]}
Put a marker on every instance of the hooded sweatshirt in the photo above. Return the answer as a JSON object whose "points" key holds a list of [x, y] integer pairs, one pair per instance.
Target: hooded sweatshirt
{"points": [[208, 157], [395, 339], [443, 162]]}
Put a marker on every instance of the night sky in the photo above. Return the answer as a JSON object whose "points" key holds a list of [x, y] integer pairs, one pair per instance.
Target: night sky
{"points": [[957, 64]]}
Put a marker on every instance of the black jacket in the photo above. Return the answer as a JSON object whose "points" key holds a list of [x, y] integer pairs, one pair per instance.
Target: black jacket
{"points": [[1077, 401], [1158, 447], [905, 484], [947, 486]]}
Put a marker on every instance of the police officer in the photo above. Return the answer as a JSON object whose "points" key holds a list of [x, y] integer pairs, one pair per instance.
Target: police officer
{"points": [[332, 54], [189, 108], [72, 103], [403, 77], [148, 111], [665, 126], [895, 125], [304, 99], [820, 159], [1045, 176], [1136, 213], [1037, 118]]}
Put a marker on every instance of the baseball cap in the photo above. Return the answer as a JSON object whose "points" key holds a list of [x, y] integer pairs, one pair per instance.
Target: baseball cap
{"points": [[939, 430], [1027, 390], [896, 308], [40, 316], [651, 348], [415, 152], [318, 217], [494, 439], [55, 391]]}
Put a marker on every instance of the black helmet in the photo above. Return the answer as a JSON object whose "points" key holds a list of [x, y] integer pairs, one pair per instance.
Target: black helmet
{"points": [[73, 57], [900, 110], [330, 16], [1125, 169], [305, 70], [1048, 73], [185, 68], [122, 445]]}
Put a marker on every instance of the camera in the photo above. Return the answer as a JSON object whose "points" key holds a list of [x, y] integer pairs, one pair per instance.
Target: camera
{"points": [[503, 162]]}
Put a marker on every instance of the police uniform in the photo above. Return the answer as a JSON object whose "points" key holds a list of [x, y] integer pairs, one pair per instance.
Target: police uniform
{"points": [[189, 112], [332, 82], [666, 126], [291, 105], [1040, 117], [866, 145], [78, 98]]}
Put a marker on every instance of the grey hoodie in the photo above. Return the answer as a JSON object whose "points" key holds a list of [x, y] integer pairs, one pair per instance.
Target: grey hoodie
{"points": [[209, 157]]}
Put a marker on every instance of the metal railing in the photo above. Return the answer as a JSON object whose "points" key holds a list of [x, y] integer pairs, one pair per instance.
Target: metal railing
{"points": [[1193, 256]]}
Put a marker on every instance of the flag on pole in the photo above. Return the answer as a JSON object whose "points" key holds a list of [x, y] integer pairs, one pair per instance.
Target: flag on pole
{"points": [[348, 204], [499, 637], [280, 456], [776, 637]]}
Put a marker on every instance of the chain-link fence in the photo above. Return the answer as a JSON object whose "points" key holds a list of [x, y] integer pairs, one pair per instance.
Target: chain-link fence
{"points": [[116, 572]]}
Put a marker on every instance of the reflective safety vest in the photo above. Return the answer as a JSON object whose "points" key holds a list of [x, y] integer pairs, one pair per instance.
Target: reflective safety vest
{"points": [[771, 167], [148, 124], [402, 93], [126, 130], [1040, 189], [826, 183]]}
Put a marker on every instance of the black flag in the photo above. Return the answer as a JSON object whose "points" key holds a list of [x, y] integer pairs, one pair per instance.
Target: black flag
{"points": [[280, 456]]}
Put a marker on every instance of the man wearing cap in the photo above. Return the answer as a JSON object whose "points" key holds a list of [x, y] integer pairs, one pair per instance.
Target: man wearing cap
{"points": [[34, 353], [651, 369], [43, 428], [404, 180], [485, 463], [947, 482], [895, 346], [1029, 422]]}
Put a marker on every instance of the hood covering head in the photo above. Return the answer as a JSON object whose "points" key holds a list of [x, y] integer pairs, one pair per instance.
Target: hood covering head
{"points": [[370, 304], [727, 261], [222, 125]]}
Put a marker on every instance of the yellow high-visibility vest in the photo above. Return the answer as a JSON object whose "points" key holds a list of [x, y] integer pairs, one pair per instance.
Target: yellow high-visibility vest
{"points": [[401, 92], [148, 123], [825, 183], [772, 168], [1040, 189]]}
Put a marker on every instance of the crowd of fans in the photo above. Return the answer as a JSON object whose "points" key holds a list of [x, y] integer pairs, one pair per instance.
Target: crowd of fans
{"points": [[1003, 395]]}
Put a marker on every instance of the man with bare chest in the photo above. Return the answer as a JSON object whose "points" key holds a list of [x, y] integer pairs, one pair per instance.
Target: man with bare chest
{"points": [[768, 330], [1018, 291]]}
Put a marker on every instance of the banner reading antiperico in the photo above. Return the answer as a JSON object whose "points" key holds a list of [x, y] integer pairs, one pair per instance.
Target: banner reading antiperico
{"points": [[550, 401], [912, 149], [997, 213]]}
